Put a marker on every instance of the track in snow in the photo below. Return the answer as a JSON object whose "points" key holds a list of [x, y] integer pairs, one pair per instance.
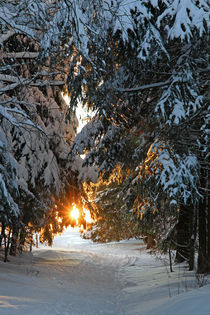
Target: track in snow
{"points": [[87, 279]]}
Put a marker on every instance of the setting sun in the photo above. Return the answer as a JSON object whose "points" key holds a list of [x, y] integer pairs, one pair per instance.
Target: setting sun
{"points": [[80, 218], [75, 213]]}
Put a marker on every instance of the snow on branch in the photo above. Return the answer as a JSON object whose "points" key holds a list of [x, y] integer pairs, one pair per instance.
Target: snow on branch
{"points": [[5, 112], [178, 176], [180, 97], [5, 37], [86, 139], [144, 87], [156, 85], [24, 82], [9, 17], [186, 15], [6, 198], [22, 55]]}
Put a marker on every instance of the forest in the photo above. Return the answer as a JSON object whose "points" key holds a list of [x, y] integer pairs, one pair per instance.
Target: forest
{"points": [[141, 69]]}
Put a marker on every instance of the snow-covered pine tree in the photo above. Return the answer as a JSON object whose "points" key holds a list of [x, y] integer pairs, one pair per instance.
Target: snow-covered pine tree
{"points": [[111, 220], [150, 60], [133, 62], [36, 131]]}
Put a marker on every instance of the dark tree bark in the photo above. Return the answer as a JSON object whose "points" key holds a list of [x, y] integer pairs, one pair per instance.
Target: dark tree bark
{"points": [[150, 241], [170, 260], [202, 253], [193, 233], [183, 235], [3, 227], [202, 221], [14, 239], [22, 240], [7, 243], [208, 217]]}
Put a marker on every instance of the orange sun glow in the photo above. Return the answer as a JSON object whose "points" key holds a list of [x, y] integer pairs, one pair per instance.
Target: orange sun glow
{"points": [[75, 213]]}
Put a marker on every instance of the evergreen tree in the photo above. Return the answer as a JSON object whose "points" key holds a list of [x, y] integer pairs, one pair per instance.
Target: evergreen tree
{"points": [[35, 130], [153, 67], [142, 66]]}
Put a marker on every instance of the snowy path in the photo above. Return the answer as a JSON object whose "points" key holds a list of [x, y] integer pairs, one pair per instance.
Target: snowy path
{"points": [[61, 282], [87, 279]]}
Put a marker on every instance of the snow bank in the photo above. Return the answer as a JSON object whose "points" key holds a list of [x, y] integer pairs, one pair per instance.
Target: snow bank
{"points": [[78, 277]]}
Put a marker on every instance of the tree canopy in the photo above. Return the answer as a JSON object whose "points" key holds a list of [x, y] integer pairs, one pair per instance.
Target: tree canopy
{"points": [[142, 67]]}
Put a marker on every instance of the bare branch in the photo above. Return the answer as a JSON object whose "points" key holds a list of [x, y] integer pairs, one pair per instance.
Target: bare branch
{"points": [[48, 83], [144, 87], [28, 82], [21, 80], [22, 55], [9, 78], [6, 36], [154, 85], [9, 113]]}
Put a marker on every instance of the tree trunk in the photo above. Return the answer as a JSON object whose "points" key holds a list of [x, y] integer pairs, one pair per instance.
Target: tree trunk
{"points": [[22, 240], [208, 220], [31, 242], [208, 247], [202, 221], [193, 233], [37, 241], [13, 247], [202, 253], [7, 243], [3, 227], [150, 241], [183, 235], [170, 259]]}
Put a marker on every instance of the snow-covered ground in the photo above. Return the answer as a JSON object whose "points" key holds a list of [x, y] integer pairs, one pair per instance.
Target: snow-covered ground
{"points": [[77, 277]]}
